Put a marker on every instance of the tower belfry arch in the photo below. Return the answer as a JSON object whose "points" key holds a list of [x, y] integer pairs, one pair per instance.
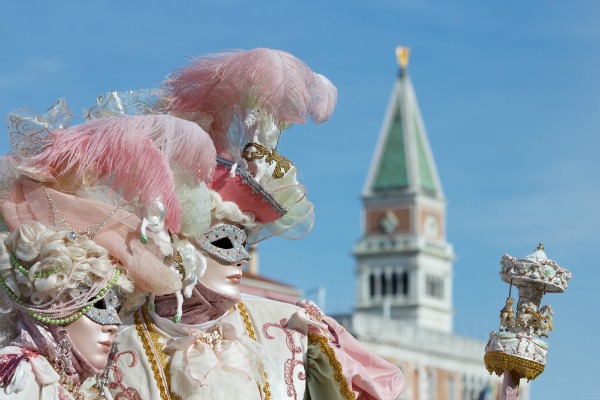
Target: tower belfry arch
{"points": [[404, 263]]}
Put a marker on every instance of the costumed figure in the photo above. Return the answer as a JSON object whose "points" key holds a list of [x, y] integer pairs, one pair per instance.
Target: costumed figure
{"points": [[59, 313], [227, 345], [76, 201]]}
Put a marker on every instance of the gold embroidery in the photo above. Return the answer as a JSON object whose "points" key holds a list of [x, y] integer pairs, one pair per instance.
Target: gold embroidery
{"points": [[335, 364], [261, 152], [244, 314], [165, 363], [150, 354], [266, 390], [151, 347], [282, 164]]}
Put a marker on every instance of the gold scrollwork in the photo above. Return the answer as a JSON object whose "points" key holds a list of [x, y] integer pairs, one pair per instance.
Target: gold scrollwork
{"points": [[282, 164]]}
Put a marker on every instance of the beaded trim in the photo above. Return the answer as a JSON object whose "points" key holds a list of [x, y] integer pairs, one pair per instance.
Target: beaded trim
{"points": [[45, 274], [108, 315], [345, 390], [235, 235], [15, 263], [59, 321]]}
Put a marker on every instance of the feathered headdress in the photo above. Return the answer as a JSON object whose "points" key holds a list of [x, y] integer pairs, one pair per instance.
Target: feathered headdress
{"points": [[245, 99], [274, 81], [131, 154], [97, 179]]}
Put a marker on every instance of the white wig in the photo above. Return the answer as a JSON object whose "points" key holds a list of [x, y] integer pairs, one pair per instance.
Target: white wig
{"points": [[48, 268]]}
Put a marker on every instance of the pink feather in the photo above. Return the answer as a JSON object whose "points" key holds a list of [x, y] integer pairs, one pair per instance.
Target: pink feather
{"points": [[133, 154], [272, 80], [323, 99]]}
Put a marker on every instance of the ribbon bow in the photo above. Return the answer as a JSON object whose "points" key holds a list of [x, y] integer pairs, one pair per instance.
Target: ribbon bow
{"points": [[199, 353]]}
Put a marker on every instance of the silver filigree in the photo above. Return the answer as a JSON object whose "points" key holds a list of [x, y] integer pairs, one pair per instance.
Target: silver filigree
{"points": [[29, 131], [132, 102]]}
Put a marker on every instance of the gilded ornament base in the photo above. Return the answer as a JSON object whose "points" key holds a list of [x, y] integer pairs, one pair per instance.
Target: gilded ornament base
{"points": [[499, 362]]}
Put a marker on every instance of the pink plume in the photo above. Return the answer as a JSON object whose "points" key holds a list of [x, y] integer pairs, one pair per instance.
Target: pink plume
{"points": [[132, 154], [279, 82], [273, 80], [323, 99]]}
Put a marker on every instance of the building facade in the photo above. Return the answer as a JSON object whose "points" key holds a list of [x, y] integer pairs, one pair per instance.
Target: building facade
{"points": [[404, 273]]}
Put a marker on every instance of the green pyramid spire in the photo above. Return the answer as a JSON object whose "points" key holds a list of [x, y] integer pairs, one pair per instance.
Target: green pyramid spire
{"points": [[403, 160]]}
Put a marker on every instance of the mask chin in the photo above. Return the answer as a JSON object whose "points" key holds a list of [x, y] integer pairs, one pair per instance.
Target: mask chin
{"points": [[222, 278]]}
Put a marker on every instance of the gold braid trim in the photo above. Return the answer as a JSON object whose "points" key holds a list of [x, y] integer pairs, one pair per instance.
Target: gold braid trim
{"points": [[247, 322], [266, 390], [246, 318], [139, 326], [151, 342], [499, 362], [345, 390], [165, 363]]}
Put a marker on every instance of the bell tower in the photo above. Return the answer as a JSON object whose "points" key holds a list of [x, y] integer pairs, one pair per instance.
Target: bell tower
{"points": [[404, 264]]}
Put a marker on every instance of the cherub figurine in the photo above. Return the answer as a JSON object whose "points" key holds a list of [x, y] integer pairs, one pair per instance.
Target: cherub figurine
{"points": [[507, 315], [543, 321], [525, 319]]}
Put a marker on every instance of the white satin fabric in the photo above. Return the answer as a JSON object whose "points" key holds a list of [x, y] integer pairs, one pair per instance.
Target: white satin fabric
{"points": [[259, 336], [34, 378]]}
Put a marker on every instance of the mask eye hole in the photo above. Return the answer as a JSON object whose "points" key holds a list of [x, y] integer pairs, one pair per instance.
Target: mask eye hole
{"points": [[223, 243], [100, 304]]}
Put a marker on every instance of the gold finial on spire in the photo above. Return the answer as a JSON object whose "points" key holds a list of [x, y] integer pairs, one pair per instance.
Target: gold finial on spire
{"points": [[402, 56], [540, 246]]}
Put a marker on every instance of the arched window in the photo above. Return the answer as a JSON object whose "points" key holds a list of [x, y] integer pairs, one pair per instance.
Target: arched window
{"points": [[383, 284], [405, 283], [435, 287], [372, 285], [429, 286], [394, 284]]}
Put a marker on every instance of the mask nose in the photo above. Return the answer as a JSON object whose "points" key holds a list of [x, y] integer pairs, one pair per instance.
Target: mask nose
{"points": [[112, 329]]}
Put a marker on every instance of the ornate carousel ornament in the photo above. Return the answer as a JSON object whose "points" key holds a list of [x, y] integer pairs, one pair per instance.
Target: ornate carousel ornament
{"points": [[516, 349]]}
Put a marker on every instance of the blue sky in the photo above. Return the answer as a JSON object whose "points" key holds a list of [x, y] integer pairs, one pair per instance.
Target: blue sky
{"points": [[509, 92]]}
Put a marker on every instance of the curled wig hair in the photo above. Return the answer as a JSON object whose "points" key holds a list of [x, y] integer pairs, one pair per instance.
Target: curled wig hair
{"points": [[55, 267]]}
